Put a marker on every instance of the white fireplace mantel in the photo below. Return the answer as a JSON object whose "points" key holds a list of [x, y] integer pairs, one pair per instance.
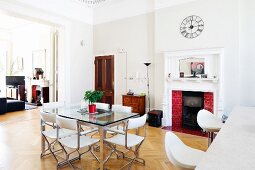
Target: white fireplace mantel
{"points": [[211, 84]]}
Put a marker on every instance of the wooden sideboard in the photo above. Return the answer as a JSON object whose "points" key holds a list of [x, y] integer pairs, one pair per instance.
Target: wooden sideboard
{"points": [[137, 103]]}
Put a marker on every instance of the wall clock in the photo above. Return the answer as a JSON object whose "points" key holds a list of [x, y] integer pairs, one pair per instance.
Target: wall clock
{"points": [[192, 26]]}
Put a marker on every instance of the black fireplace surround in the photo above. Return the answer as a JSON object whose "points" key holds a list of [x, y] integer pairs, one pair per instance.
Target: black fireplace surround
{"points": [[192, 102]]}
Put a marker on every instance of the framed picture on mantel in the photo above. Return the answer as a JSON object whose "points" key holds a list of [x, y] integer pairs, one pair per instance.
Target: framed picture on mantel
{"points": [[197, 67]]}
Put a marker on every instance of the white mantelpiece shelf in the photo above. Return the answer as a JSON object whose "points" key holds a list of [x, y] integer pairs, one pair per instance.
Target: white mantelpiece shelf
{"points": [[214, 80]]}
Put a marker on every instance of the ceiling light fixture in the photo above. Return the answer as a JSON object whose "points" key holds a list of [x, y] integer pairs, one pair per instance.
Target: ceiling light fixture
{"points": [[91, 3]]}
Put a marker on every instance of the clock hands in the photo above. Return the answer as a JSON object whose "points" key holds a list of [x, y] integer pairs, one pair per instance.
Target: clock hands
{"points": [[192, 26]]}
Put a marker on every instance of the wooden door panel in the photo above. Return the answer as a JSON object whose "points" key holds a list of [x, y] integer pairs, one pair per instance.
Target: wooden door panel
{"points": [[100, 74], [104, 77], [108, 67]]}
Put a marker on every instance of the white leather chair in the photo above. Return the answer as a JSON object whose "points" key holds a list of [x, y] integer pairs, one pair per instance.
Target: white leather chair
{"points": [[129, 140], [179, 154], [53, 105], [104, 106], [74, 142], [119, 109], [50, 135], [209, 123]]}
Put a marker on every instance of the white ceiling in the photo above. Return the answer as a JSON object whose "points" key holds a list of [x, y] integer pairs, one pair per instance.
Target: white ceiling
{"points": [[118, 9], [109, 10], [106, 3]]}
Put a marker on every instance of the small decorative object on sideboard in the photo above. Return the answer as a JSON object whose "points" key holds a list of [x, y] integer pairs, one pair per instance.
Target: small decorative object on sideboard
{"points": [[181, 74], [130, 92], [92, 97]]}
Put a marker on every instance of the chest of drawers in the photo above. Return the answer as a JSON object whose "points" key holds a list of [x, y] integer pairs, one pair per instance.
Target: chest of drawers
{"points": [[137, 103]]}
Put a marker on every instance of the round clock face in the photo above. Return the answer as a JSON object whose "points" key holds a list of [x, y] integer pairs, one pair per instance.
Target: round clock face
{"points": [[192, 26]]}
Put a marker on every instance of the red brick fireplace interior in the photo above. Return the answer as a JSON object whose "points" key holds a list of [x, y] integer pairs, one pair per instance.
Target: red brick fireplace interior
{"points": [[177, 106]]}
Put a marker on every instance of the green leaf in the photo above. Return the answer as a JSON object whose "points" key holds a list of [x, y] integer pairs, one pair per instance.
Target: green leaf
{"points": [[93, 96]]}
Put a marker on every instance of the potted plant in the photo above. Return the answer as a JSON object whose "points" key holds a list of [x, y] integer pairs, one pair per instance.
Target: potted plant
{"points": [[92, 97]]}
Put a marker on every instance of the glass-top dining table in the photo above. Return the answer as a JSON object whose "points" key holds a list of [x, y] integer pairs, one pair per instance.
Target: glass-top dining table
{"points": [[101, 119]]}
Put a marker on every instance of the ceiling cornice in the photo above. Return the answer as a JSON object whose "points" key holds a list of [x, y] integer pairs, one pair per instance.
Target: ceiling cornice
{"points": [[130, 8]]}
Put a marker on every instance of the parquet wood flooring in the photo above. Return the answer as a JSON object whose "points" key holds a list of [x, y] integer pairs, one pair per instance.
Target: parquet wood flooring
{"points": [[20, 146]]}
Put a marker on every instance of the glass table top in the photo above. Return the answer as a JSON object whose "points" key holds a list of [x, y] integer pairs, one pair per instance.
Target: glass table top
{"points": [[101, 117]]}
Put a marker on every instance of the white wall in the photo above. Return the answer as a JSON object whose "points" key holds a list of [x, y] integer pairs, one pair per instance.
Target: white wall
{"points": [[3, 56], [81, 61], [5, 48], [29, 38], [221, 30], [136, 36], [247, 52]]}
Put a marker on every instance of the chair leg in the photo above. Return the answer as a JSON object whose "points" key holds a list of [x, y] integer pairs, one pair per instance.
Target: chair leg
{"points": [[67, 160], [210, 138], [49, 148], [112, 151], [135, 158], [91, 151]]}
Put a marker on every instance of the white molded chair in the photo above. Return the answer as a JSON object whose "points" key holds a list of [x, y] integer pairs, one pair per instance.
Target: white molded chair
{"points": [[104, 106], [209, 123], [74, 142], [129, 140], [180, 154]]}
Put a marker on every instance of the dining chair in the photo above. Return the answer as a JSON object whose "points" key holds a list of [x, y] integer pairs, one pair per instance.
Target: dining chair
{"points": [[75, 142], [119, 109], [53, 105], [104, 106], [181, 155], [50, 135], [132, 142], [209, 123]]}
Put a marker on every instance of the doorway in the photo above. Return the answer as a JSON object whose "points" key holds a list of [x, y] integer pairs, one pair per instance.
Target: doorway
{"points": [[28, 47], [104, 77]]}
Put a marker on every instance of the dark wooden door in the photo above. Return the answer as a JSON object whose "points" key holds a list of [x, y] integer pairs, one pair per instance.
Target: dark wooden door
{"points": [[104, 77]]}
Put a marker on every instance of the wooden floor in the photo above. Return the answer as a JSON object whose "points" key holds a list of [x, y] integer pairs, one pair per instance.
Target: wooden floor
{"points": [[20, 146]]}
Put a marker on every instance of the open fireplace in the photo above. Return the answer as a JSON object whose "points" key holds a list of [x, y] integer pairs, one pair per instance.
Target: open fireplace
{"points": [[192, 102]]}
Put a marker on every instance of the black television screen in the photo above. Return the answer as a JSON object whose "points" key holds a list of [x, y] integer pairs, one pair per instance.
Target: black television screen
{"points": [[15, 80]]}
